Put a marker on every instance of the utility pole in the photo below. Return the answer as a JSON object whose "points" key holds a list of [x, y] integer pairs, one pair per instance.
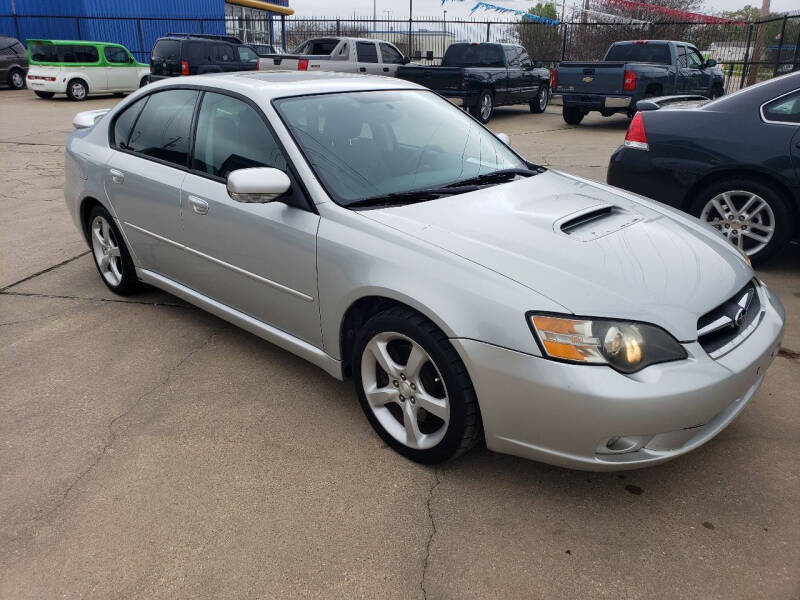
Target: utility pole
{"points": [[410, 17], [755, 59]]}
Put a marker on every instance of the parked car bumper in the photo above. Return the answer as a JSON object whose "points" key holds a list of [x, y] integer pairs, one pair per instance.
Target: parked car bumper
{"points": [[59, 86], [598, 101], [565, 414], [634, 170]]}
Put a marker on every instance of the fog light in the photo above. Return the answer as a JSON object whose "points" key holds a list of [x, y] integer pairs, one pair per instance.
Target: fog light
{"points": [[620, 444]]}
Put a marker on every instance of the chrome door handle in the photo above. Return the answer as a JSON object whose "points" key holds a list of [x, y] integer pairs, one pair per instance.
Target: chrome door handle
{"points": [[199, 205], [117, 176]]}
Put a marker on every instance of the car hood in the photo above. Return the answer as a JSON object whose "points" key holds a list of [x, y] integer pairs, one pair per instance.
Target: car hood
{"points": [[594, 250]]}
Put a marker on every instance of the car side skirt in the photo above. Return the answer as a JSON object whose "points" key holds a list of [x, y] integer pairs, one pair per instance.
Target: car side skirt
{"points": [[280, 338]]}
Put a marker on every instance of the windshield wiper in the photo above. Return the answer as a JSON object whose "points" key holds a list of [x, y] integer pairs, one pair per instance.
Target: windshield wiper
{"points": [[495, 176], [413, 196]]}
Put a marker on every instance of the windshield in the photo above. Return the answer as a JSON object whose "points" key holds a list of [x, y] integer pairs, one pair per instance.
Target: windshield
{"points": [[365, 145], [639, 52]]}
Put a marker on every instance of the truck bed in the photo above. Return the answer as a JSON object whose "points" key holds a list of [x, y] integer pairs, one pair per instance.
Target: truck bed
{"points": [[437, 78]]}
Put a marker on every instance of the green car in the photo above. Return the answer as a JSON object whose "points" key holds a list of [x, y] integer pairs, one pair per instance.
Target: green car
{"points": [[80, 68]]}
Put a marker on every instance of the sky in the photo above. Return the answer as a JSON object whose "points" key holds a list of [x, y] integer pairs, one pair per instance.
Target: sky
{"points": [[458, 9]]}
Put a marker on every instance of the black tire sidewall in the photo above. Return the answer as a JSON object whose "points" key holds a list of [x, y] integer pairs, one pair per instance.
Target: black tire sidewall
{"points": [[69, 90], [11, 79], [44, 95], [129, 283], [782, 212], [534, 104], [572, 116], [445, 359]]}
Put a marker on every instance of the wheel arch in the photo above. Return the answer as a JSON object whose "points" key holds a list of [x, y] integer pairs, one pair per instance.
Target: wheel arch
{"points": [[748, 173], [86, 206], [360, 311]]}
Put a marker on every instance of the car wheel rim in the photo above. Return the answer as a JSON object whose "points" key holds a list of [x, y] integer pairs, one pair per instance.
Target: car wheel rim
{"points": [[78, 91], [542, 99], [744, 218], [16, 80], [405, 390], [106, 251], [486, 106]]}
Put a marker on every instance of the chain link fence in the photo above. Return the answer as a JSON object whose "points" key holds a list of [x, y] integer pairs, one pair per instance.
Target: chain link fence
{"points": [[747, 52]]}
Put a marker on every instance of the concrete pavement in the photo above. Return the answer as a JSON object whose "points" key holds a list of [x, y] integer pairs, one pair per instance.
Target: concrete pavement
{"points": [[150, 450]]}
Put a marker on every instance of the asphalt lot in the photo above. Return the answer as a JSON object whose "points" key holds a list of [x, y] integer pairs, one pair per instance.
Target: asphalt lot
{"points": [[150, 450]]}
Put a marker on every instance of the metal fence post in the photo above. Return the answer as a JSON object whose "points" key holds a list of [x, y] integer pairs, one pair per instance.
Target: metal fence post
{"points": [[745, 64], [78, 26], [142, 51], [488, 25], [338, 27], [564, 42], [796, 56], [16, 26], [780, 46], [202, 26]]}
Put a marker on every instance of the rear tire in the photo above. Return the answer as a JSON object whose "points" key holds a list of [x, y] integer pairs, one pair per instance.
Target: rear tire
{"points": [[572, 115], [77, 90], [144, 81], [484, 109], [751, 214], [16, 79], [45, 95], [111, 255], [418, 395], [539, 104], [717, 91]]}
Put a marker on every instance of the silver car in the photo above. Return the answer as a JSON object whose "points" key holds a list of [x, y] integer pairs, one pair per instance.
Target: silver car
{"points": [[374, 229]]}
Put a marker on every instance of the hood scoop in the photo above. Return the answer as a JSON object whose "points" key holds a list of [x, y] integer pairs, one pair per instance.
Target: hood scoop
{"points": [[596, 221]]}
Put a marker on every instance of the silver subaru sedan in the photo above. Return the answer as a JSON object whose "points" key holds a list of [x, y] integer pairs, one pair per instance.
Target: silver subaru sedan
{"points": [[374, 229]]}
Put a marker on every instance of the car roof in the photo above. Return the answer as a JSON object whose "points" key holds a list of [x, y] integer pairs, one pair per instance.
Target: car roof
{"points": [[279, 84], [73, 42]]}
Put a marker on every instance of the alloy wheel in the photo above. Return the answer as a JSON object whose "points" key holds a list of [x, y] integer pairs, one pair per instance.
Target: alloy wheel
{"points": [[78, 90], [744, 218], [405, 390], [17, 81], [486, 106], [106, 251], [543, 98]]}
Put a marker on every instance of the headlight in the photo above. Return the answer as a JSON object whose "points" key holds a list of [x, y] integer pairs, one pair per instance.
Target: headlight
{"points": [[625, 346]]}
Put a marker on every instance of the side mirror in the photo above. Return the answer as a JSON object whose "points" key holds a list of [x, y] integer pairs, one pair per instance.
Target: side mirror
{"points": [[406, 60], [711, 62], [503, 137], [259, 185], [87, 118]]}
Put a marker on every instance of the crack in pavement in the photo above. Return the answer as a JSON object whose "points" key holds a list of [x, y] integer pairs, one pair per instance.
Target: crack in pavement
{"points": [[43, 271], [113, 435], [64, 297], [431, 491]]}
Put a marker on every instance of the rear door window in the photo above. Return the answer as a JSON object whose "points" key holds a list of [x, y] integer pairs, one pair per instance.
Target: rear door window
{"points": [[162, 129], [116, 55], [44, 52], [224, 53], [78, 54], [366, 52], [683, 62], [124, 123]]}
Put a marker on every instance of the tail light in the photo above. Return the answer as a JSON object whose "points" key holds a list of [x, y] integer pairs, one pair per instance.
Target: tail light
{"points": [[302, 64], [637, 135], [553, 79], [41, 78], [629, 83], [184, 67]]}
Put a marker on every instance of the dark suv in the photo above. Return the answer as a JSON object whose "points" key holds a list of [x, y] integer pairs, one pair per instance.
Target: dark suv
{"points": [[194, 54], [13, 63]]}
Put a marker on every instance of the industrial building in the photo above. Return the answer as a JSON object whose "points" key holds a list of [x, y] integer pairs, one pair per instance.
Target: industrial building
{"points": [[137, 25]]}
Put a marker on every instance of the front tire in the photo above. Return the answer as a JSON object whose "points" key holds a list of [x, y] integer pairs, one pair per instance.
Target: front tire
{"points": [[144, 81], [484, 109], [751, 214], [45, 95], [539, 104], [717, 92], [111, 256], [414, 388], [572, 115], [77, 90], [16, 79]]}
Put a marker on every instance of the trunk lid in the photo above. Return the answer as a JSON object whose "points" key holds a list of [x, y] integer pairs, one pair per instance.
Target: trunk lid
{"points": [[590, 77]]}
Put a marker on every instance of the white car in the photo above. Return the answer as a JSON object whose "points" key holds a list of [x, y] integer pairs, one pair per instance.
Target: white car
{"points": [[78, 68], [340, 54]]}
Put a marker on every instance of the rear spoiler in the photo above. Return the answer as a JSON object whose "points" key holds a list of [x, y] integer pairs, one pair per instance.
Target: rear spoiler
{"points": [[87, 118], [662, 101]]}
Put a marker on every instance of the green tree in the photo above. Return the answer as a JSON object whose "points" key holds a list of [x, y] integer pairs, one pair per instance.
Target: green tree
{"points": [[542, 42]]}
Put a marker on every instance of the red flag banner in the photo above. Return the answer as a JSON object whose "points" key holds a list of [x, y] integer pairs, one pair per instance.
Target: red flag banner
{"points": [[673, 13]]}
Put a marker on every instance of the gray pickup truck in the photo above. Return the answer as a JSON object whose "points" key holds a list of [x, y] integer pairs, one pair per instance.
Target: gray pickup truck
{"points": [[632, 71]]}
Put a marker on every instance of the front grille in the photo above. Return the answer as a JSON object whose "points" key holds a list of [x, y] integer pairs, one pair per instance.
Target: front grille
{"points": [[727, 325]]}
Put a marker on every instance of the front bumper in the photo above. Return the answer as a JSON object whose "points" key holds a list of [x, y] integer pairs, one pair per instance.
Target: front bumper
{"points": [[566, 414]]}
